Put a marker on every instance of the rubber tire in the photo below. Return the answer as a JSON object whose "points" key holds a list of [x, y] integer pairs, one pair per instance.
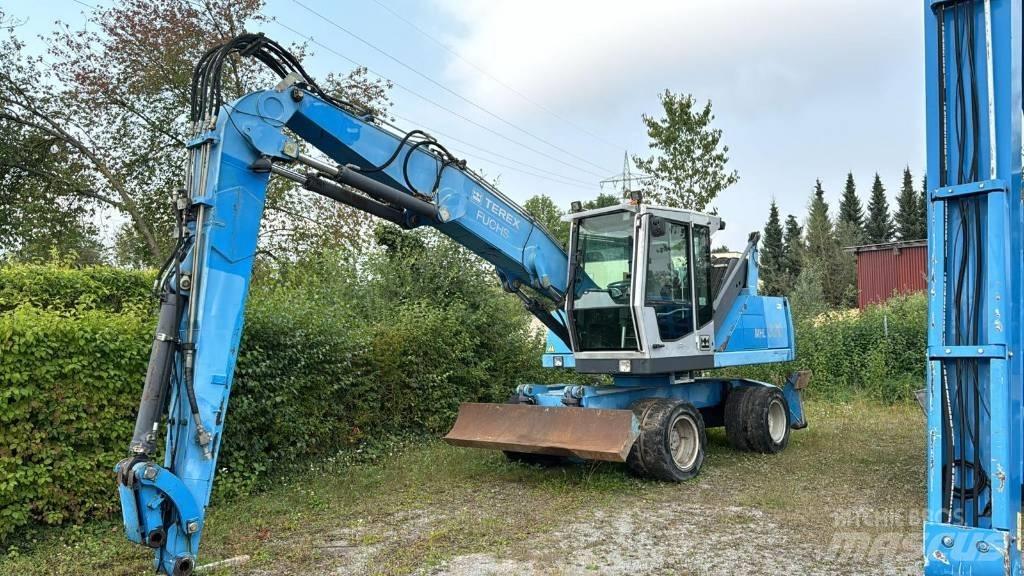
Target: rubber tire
{"points": [[526, 458], [651, 455], [754, 406], [735, 422]]}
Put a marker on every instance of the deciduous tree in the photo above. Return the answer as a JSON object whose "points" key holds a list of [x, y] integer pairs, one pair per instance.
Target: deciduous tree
{"points": [[113, 97], [689, 164], [545, 211]]}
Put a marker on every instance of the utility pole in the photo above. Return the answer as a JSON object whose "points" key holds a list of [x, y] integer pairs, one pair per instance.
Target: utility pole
{"points": [[625, 180]]}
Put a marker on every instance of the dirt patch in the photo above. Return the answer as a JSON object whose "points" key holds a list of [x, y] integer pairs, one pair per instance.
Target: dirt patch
{"points": [[649, 537], [674, 538]]}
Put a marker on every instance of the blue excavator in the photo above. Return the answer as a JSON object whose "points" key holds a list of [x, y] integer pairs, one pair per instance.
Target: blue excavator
{"points": [[637, 295]]}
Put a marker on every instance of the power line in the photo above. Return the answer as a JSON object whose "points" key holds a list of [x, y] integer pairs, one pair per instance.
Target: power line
{"points": [[495, 79], [526, 172], [443, 87], [557, 178], [563, 179], [434, 103]]}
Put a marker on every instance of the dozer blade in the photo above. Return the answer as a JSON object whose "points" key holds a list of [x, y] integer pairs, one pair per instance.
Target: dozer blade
{"points": [[587, 433]]}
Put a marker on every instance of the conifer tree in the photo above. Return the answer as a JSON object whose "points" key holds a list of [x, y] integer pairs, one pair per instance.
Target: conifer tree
{"points": [[824, 260], [879, 227], [908, 220], [850, 209], [820, 238], [793, 252], [772, 254]]}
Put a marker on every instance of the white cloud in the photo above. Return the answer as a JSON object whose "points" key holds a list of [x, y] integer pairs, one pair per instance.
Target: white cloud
{"points": [[567, 52], [802, 88]]}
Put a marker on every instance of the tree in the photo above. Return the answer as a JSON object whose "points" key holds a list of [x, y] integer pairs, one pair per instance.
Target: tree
{"points": [[820, 238], [842, 281], [879, 227], [850, 210], [772, 254], [689, 164], [603, 200], [823, 256], [793, 249], [113, 100], [910, 224], [39, 216], [544, 210]]}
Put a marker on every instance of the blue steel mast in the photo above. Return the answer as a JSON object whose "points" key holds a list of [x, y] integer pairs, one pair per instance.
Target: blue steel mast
{"points": [[974, 388]]}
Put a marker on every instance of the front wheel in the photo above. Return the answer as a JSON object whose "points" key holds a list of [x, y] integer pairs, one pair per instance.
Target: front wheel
{"points": [[671, 443]]}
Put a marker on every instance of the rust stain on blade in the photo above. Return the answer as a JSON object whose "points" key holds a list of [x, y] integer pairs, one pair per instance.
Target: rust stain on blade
{"points": [[588, 433]]}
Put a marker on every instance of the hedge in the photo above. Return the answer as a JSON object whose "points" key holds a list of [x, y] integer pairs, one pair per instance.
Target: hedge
{"points": [[324, 365], [878, 352], [68, 391], [55, 287]]}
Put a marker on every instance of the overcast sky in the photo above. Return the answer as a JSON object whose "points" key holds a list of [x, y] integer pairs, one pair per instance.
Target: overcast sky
{"points": [[802, 89]]}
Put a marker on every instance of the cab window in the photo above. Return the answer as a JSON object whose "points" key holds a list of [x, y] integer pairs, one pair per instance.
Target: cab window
{"points": [[702, 274], [601, 314], [668, 287]]}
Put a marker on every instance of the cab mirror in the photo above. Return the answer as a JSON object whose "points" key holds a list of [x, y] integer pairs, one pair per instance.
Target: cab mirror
{"points": [[657, 227]]}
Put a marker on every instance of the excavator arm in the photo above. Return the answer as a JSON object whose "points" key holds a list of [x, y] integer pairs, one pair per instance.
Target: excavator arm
{"points": [[408, 179]]}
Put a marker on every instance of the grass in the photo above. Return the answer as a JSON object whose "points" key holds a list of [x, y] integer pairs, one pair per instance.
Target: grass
{"points": [[432, 502]]}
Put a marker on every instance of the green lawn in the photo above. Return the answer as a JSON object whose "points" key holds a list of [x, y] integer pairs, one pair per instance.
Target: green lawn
{"points": [[432, 503]]}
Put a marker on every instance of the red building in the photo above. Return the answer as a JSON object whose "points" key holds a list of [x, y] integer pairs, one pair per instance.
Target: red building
{"points": [[893, 268]]}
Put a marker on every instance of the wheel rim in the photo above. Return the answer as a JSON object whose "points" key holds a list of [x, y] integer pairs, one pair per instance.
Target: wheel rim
{"points": [[776, 421], [684, 441]]}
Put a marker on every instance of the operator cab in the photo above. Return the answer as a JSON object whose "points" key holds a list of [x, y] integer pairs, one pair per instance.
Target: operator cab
{"points": [[641, 294]]}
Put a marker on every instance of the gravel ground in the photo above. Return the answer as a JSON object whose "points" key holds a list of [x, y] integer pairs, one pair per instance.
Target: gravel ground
{"points": [[655, 537], [832, 504]]}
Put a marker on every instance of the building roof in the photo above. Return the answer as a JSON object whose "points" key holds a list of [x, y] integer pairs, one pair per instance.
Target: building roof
{"points": [[887, 246]]}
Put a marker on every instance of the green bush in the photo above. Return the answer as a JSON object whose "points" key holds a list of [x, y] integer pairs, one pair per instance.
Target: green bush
{"points": [[291, 394], [68, 392], [54, 286], [878, 352], [333, 354]]}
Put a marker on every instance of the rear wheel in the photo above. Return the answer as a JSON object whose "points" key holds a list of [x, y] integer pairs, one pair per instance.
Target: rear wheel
{"points": [[544, 460], [735, 425], [671, 442], [757, 419]]}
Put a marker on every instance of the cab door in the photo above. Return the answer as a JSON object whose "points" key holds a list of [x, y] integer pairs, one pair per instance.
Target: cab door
{"points": [[668, 287], [674, 302]]}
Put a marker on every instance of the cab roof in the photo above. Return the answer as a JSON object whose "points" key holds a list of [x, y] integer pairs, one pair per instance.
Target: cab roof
{"points": [[678, 214]]}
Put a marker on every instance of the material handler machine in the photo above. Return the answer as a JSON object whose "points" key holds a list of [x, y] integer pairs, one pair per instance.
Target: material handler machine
{"points": [[638, 296]]}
